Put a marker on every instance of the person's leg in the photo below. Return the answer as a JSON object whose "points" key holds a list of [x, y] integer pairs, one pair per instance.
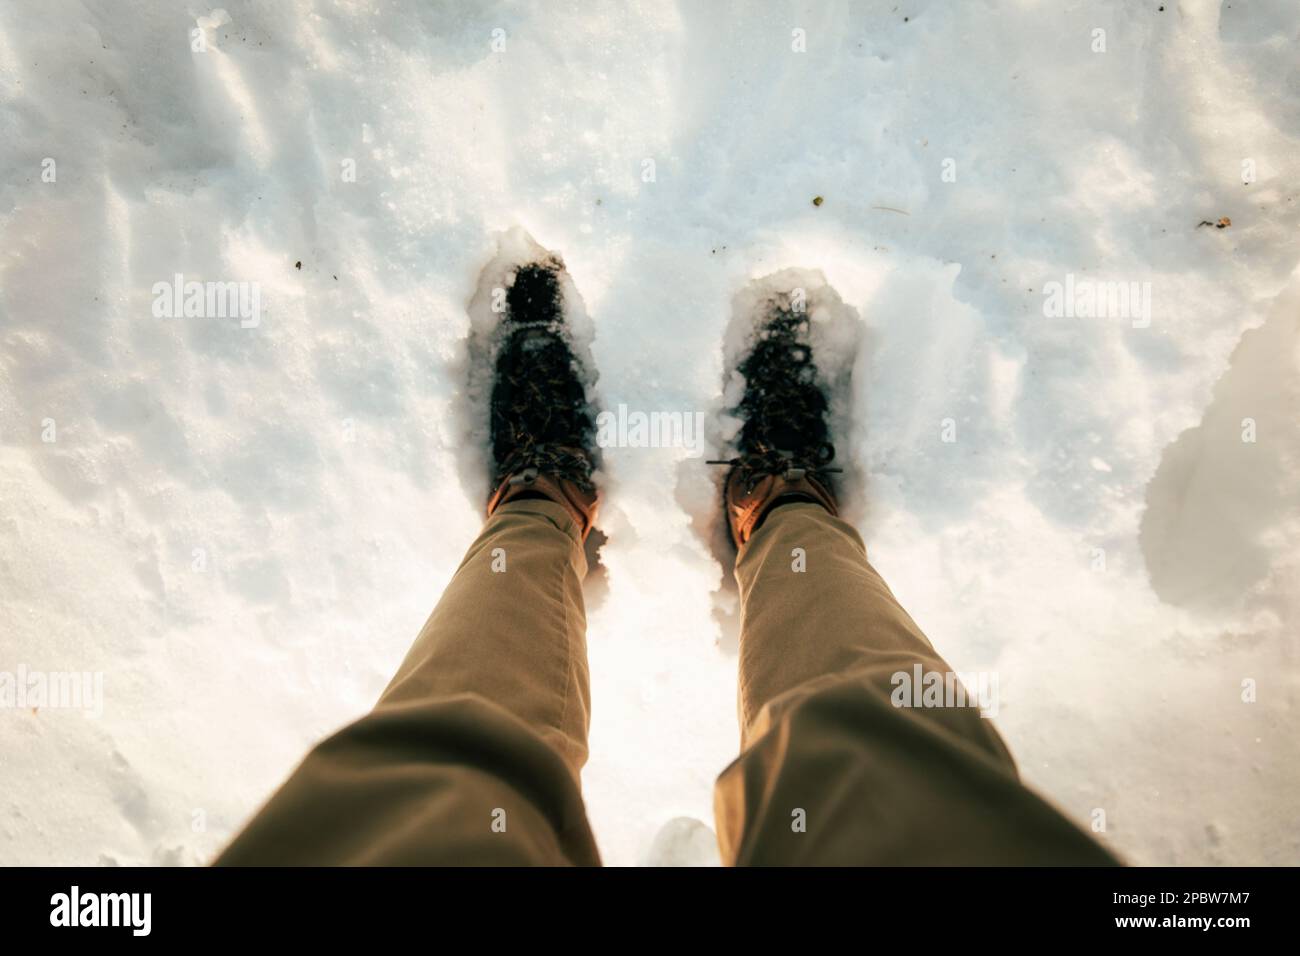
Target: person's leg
{"points": [[473, 753], [832, 772]]}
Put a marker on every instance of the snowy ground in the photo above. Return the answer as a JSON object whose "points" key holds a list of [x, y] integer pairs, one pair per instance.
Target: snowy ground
{"points": [[242, 529]]}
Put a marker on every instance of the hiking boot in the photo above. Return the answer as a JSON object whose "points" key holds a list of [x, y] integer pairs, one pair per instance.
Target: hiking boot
{"points": [[542, 427], [784, 448]]}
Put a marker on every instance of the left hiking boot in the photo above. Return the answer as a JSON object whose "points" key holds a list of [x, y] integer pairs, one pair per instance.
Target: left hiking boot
{"points": [[784, 446], [542, 427]]}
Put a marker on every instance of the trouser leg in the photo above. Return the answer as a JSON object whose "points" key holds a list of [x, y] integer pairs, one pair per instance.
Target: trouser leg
{"points": [[473, 753], [832, 772]]}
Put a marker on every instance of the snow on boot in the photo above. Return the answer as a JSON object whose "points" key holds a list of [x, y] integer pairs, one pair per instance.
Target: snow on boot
{"points": [[541, 427], [784, 449]]}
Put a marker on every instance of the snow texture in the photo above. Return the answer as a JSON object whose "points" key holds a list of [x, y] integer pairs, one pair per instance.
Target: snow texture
{"points": [[243, 528]]}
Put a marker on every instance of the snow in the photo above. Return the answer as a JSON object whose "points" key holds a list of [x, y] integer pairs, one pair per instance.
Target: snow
{"points": [[243, 529]]}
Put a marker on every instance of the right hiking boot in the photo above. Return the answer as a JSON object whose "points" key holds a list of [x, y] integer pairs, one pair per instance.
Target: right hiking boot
{"points": [[541, 423], [784, 448]]}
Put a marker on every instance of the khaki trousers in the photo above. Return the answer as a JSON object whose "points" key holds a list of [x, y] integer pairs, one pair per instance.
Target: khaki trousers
{"points": [[473, 753]]}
